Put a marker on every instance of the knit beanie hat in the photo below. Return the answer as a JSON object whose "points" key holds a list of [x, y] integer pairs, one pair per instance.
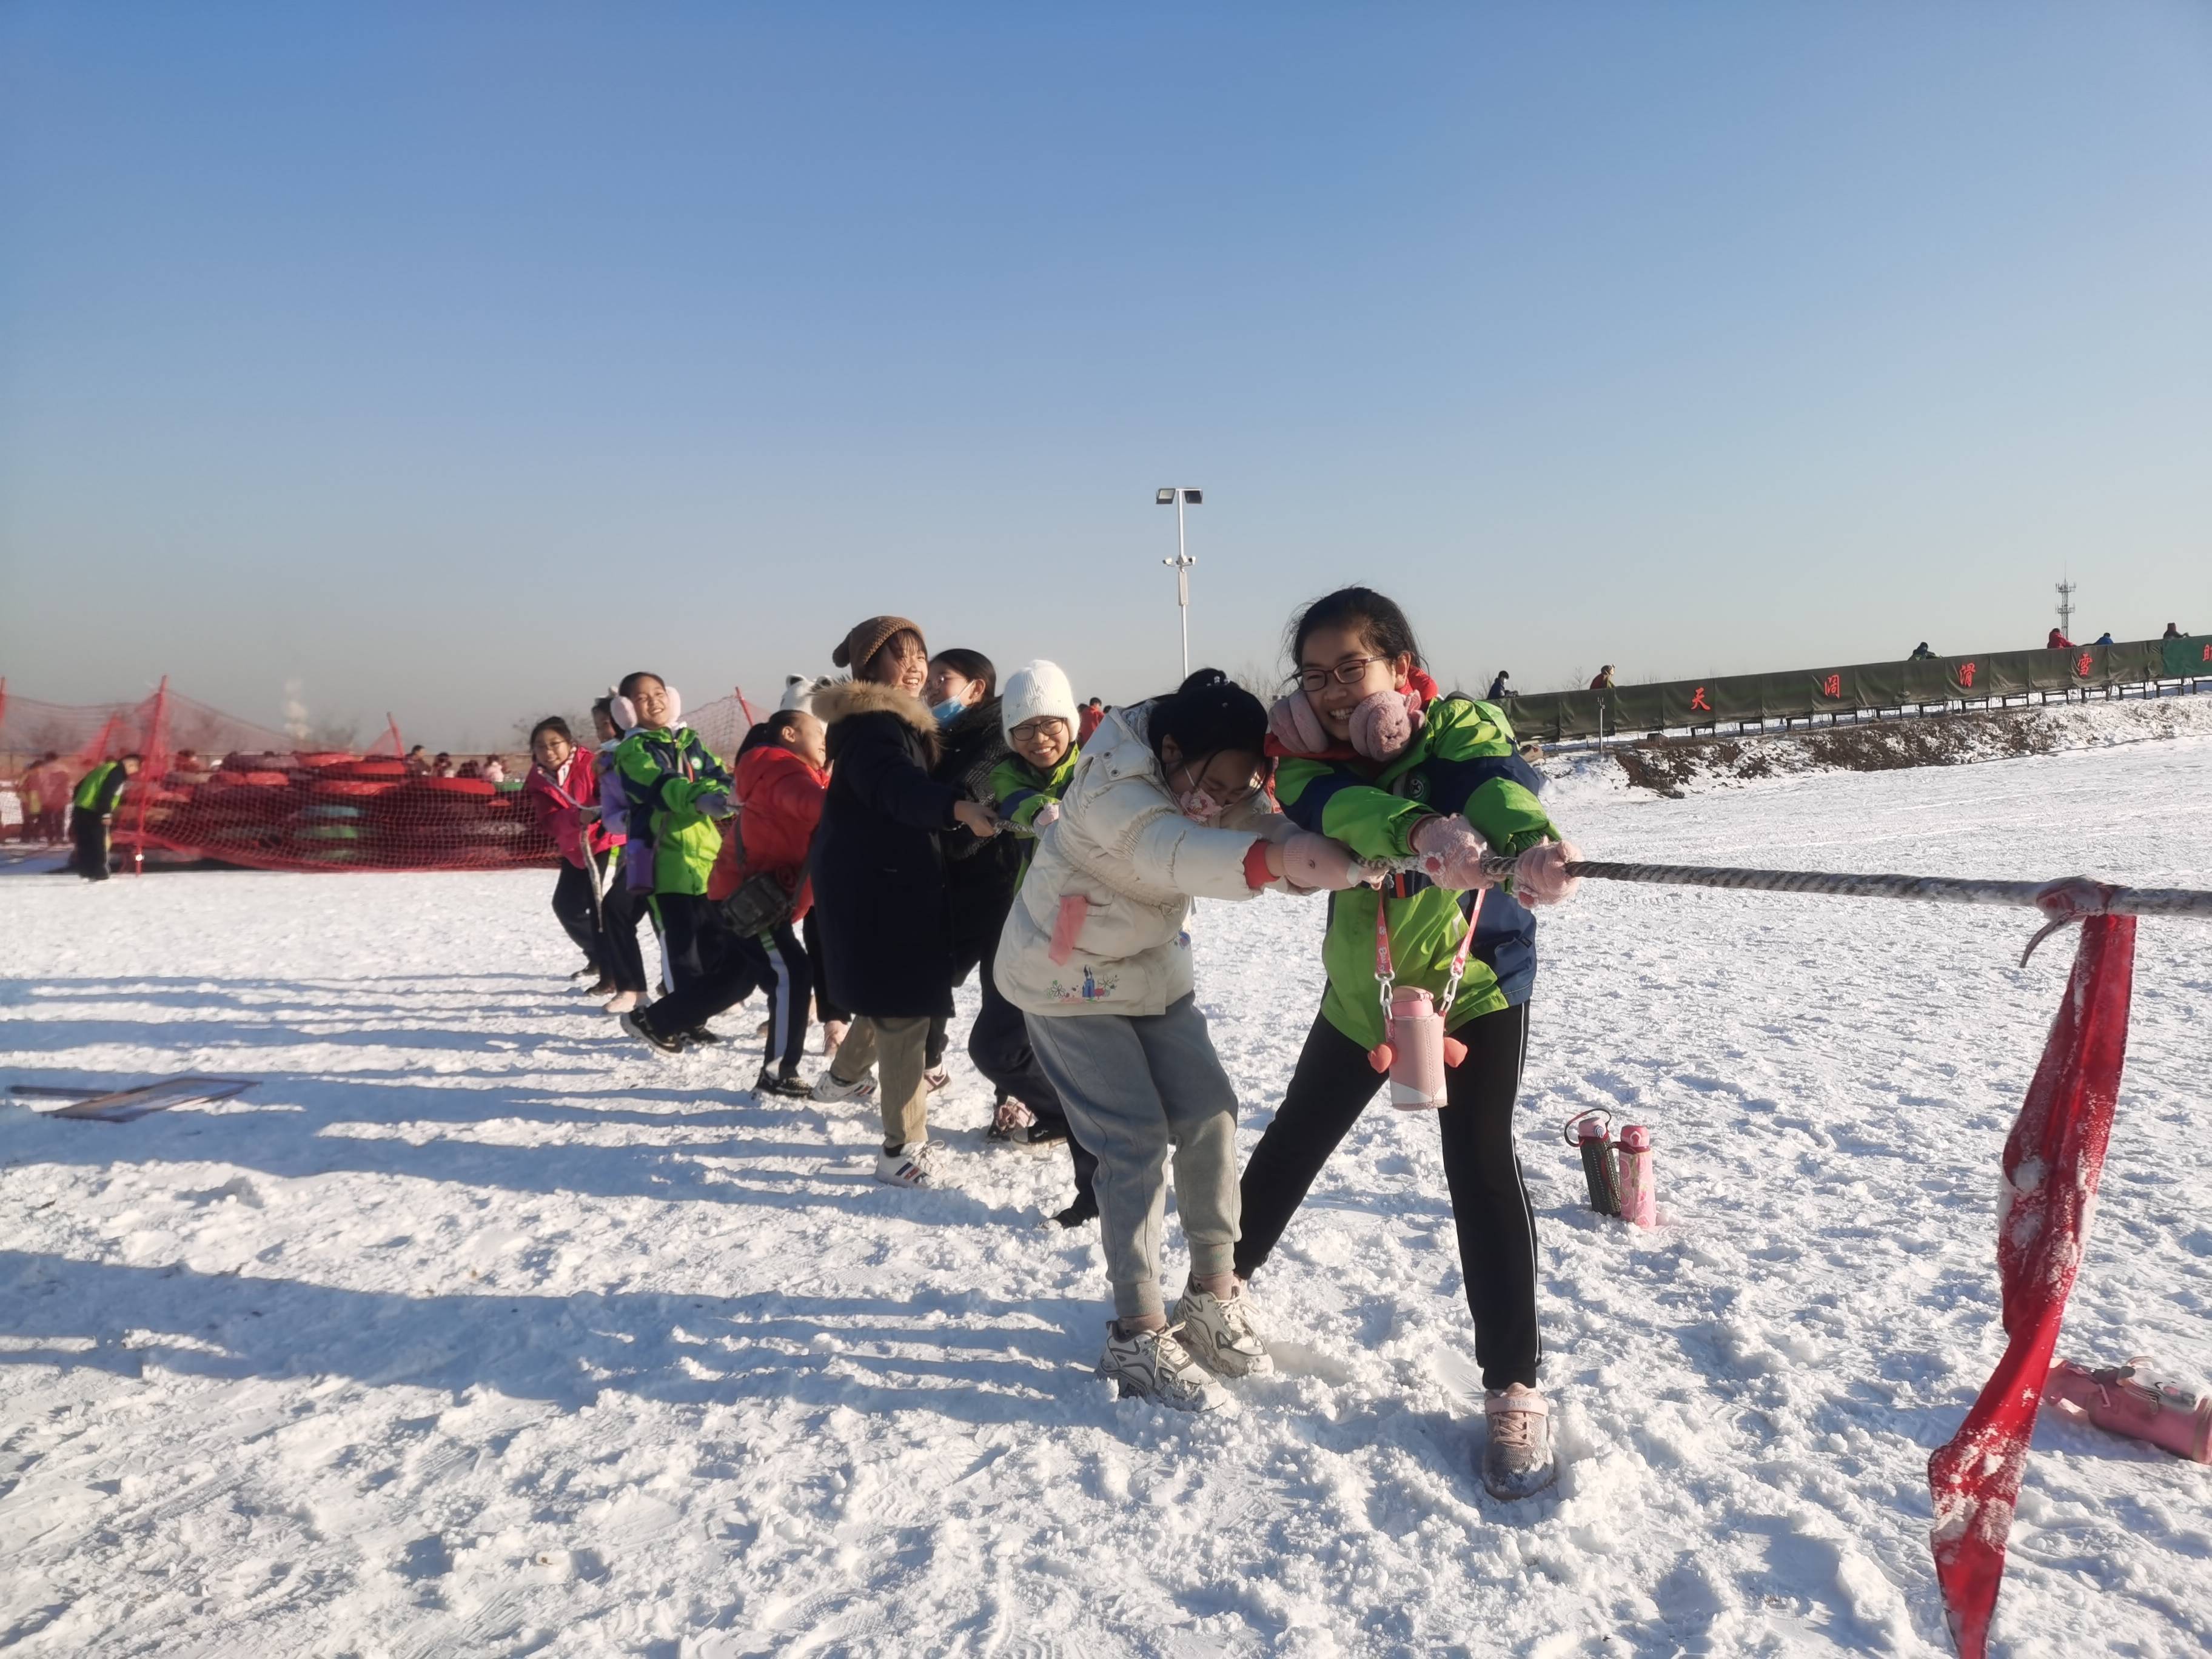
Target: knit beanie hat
{"points": [[858, 649], [1034, 689]]}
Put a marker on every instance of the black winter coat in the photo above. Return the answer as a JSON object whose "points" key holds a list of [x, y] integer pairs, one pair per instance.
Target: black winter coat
{"points": [[980, 872], [878, 871]]}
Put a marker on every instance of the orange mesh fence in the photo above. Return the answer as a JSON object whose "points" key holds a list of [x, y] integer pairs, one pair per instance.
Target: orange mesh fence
{"points": [[214, 786], [211, 785]]}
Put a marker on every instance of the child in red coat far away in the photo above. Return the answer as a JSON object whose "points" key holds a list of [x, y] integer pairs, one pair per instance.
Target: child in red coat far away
{"points": [[562, 791], [782, 775]]}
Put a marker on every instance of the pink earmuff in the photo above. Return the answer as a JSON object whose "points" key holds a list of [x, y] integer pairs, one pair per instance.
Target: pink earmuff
{"points": [[1382, 725]]}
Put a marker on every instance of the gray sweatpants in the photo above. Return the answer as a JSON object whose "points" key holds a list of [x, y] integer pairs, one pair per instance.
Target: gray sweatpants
{"points": [[1133, 1086]]}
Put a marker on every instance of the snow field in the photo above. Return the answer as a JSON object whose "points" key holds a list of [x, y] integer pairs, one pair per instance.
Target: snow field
{"points": [[478, 1329]]}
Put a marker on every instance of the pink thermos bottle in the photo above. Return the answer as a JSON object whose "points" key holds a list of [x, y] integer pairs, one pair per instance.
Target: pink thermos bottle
{"points": [[1632, 1180]]}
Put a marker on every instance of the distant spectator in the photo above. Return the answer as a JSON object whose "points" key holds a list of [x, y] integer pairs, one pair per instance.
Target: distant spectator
{"points": [[416, 763], [2105, 638], [2171, 633], [1499, 690], [443, 766], [494, 770], [2057, 642], [1604, 680], [1086, 721], [1921, 653], [187, 760], [46, 791], [468, 768], [95, 807]]}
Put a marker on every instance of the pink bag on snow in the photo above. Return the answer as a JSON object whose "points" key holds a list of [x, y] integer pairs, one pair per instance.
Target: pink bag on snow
{"points": [[2123, 1400]]}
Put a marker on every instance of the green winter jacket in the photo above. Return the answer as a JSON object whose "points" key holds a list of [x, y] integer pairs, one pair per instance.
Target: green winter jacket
{"points": [[1463, 760], [1022, 792], [663, 774]]}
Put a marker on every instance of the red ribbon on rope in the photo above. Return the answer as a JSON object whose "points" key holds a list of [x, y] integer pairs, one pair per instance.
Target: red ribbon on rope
{"points": [[2052, 1160]]}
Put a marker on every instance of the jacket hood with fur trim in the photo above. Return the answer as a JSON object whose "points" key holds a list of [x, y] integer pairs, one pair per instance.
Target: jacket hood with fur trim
{"points": [[848, 700]]}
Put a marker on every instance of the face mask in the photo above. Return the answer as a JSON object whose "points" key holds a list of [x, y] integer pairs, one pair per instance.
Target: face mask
{"points": [[1198, 805], [949, 711]]}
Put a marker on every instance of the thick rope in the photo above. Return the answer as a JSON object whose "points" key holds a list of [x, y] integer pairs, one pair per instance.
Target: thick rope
{"points": [[2083, 898]]}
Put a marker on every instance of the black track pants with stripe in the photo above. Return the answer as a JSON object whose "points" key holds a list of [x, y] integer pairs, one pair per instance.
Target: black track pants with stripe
{"points": [[779, 964], [1329, 1090]]}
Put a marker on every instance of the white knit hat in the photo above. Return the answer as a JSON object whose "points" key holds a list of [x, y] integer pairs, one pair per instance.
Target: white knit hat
{"points": [[1035, 689]]}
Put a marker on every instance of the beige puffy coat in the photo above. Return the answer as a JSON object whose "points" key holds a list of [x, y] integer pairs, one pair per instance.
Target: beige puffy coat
{"points": [[1121, 846]]}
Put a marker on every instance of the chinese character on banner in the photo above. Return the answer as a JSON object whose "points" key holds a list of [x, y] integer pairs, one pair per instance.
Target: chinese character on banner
{"points": [[1832, 686], [1967, 675], [2208, 654], [2083, 664], [1697, 700]]}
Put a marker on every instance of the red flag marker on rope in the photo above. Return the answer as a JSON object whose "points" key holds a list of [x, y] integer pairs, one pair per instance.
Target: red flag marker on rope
{"points": [[2052, 1160]]}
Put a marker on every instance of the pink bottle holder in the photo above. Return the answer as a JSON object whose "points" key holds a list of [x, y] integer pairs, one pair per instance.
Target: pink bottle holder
{"points": [[1416, 1040], [2124, 1401], [1632, 1180]]}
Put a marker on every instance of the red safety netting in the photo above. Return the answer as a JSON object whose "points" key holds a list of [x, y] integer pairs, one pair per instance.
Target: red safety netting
{"points": [[214, 786]]}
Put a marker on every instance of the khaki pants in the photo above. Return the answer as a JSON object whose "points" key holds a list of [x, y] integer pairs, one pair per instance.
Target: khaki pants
{"points": [[897, 1047]]}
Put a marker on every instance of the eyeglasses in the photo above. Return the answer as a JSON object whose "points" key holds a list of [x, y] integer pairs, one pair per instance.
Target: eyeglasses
{"points": [[1347, 672], [1032, 731]]}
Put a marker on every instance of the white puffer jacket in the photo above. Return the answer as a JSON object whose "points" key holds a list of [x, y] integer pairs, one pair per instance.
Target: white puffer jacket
{"points": [[1120, 847]]}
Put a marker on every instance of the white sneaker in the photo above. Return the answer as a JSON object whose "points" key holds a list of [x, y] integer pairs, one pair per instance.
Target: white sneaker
{"points": [[1155, 1366], [1516, 1459], [914, 1164], [622, 1002], [831, 1087], [1220, 1335]]}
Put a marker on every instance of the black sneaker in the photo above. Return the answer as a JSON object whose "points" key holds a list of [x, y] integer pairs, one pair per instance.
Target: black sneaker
{"points": [[636, 1026], [701, 1036], [788, 1084]]}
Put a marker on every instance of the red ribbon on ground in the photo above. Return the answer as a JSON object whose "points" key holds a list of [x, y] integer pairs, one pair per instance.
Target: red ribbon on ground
{"points": [[2052, 1160]]}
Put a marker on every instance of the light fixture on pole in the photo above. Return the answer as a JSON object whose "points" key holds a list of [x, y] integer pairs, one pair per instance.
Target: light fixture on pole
{"points": [[1178, 497]]}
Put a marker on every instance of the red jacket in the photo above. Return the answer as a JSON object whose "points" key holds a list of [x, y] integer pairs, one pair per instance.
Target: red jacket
{"points": [[1087, 720], [779, 802], [2057, 642], [553, 800]]}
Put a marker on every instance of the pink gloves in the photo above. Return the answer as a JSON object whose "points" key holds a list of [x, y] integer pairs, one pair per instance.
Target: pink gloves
{"points": [[1315, 862], [1540, 875], [1451, 852], [1382, 725], [1293, 724]]}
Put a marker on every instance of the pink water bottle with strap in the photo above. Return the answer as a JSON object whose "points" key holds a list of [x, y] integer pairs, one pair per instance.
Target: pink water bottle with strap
{"points": [[1417, 1051], [1632, 1178]]}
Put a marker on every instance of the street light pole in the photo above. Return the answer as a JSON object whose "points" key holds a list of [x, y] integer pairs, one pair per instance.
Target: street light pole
{"points": [[1179, 495]]}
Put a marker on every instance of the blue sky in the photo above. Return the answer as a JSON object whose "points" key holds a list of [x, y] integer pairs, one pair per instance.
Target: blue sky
{"points": [[452, 359]]}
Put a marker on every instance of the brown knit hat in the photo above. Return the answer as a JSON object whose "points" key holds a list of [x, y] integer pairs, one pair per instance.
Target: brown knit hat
{"points": [[859, 647]]}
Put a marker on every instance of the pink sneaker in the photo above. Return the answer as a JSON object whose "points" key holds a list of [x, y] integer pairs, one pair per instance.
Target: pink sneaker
{"points": [[2123, 1400]]}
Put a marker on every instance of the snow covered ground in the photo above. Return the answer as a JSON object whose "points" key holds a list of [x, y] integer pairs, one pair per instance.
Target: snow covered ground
{"points": [[477, 1330]]}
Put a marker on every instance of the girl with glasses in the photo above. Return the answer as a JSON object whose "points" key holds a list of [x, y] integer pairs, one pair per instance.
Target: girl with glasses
{"points": [[1371, 756], [1164, 804]]}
